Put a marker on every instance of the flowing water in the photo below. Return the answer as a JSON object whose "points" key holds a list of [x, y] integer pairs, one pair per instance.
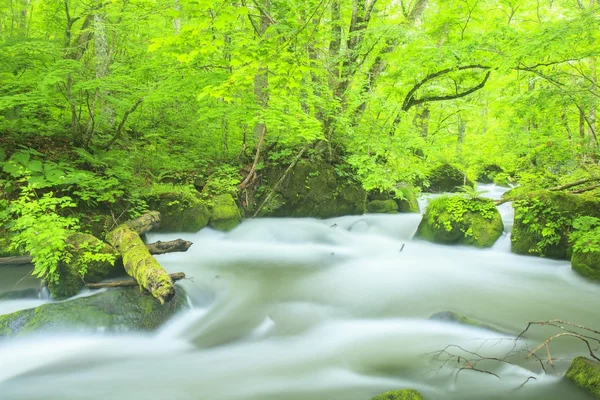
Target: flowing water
{"points": [[339, 309]]}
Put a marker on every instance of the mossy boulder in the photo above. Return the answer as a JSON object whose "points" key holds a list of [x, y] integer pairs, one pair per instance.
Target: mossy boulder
{"points": [[225, 213], [446, 178], [489, 173], [463, 220], [406, 197], [544, 222], [382, 207], [585, 373], [82, 267], [181, 210], [114, 310], [586, 264], [502, 179], [313, 189], [404, 394]]}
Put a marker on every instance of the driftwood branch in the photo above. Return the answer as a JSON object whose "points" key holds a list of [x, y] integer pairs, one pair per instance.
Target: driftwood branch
{"points": [[129, 282], [573, 184], [19, 260]]}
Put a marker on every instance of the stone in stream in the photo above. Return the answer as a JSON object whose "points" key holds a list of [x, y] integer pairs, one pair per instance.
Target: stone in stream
{"points": [[22, 294], [382, 207], [544, 221], [225, 213], [113, 310], [180, 210], [446, 178], [585, 373], [463, 220], [403, 194], [404, 394], [586, 264]]}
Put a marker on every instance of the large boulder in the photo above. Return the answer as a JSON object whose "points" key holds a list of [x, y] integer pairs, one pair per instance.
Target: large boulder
{"points": [[313, 189], [461, 220], [114, 310], [404, 394], [225, 213], [406, 197], [586, 264], [489, 172], [180, 209], [544, 222], [585, 373], [446, 178], [91, 261]]}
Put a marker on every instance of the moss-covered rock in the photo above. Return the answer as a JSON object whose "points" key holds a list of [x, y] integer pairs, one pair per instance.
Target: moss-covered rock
{"points": [[446, 178], [585, 373], [112, 310], [382, 207], [82, 267], [225, 213], [314, 189], [488, 173], [461, 220], [544, 222], [406, 197], [404, 394], [502, 179], [586, 264], [181, 210]]}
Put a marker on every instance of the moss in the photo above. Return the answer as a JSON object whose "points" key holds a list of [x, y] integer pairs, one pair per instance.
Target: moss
{"points": [[405, 394], [5, 238], [586, 264], [489, 172], [544, 221], [225, 213], [139, 264], [502, 179], [461, 220], [180, 210], [446, 178], [314, 189], [382, 207], [408, 203], [112, 310], [81, 269], [585, 373]]}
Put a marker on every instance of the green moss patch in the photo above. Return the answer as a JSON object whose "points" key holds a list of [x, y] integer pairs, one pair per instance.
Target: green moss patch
{"points": [[446, 178], [461, 220], [405, 394], [585, 373], [382, 207], [181, 209], [225, 213]]}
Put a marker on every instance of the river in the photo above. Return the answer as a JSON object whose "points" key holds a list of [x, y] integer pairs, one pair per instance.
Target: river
{"points": [[338, 309]]}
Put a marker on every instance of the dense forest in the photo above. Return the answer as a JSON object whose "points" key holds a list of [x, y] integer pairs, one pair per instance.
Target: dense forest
{"points": [[216, 111]]}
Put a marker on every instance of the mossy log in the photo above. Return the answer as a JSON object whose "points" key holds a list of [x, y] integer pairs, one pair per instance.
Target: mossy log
{"points": [[144, 223], [585, 373], [404, 394], [128, 282], [138, 262]]}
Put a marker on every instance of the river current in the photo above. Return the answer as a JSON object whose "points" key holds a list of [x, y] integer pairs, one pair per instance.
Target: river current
{"points": [[337, 309]]}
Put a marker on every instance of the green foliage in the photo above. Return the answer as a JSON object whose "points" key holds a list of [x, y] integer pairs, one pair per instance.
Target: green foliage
{"points": [[40, 230], [586, 236], [456, 207]]}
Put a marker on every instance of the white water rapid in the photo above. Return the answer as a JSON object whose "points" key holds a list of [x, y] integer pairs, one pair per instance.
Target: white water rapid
{"points": [[339, 309]]}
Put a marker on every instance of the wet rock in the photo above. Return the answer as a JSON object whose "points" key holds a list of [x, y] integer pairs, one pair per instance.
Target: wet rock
{"points": [[225, 213], [586, 264], [114, 310], [404, 394], [585, 373], [180, 209], [406, 197], [81, 268], [446, 178], [463, 220], [382, 207], [544, 221], [20, 294], [314, 189]]}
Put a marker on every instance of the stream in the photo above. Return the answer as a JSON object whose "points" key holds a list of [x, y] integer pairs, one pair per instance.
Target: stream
{"points": [[337, 309]]}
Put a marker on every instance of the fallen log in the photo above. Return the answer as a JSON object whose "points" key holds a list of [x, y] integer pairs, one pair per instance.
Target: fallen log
{"points": [[137, 260], [177, 245], [172, 246], [129, 282], [144, 223]]}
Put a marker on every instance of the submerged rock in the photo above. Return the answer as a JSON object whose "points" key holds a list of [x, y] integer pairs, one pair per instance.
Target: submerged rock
{"points": [[225, 213], [585, 373], [544, 221], [81, 268], [461, 220], [180, 211], [112, 310], [446, 178], [314, 189], [382, 207], [404, 394]]}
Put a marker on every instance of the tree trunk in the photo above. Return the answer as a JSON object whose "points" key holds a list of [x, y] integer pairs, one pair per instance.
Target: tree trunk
{"points": [[137, 260]]}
